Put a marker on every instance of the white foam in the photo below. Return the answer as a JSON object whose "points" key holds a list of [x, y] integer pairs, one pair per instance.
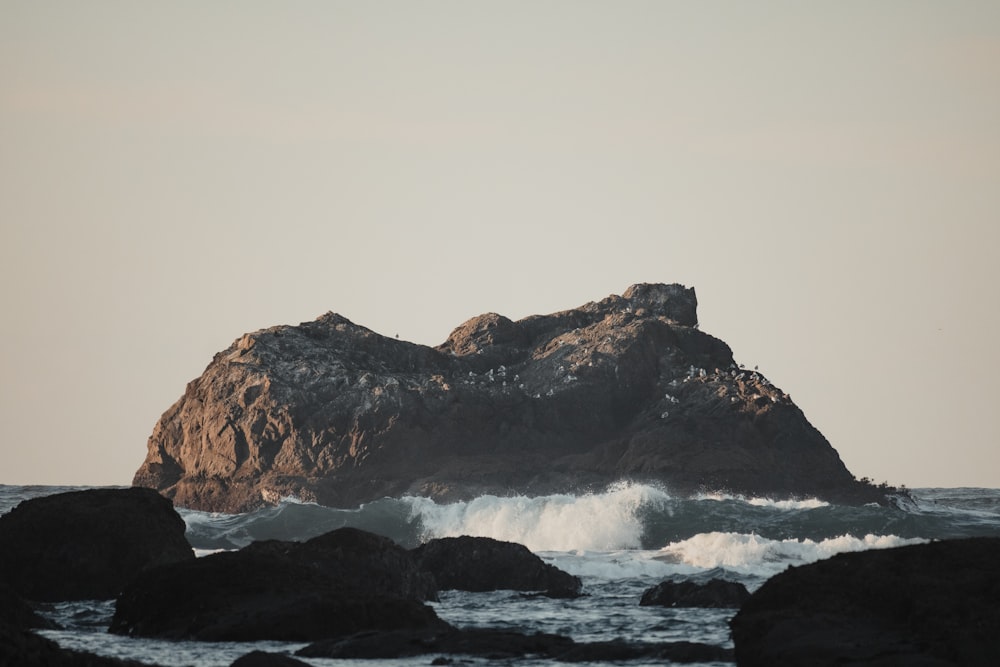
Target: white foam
{"points": [[753, 554], [592, 522], [804, 504]]}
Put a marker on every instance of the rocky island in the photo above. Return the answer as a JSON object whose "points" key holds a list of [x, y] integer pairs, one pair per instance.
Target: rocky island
{"points": [[627, 388]]}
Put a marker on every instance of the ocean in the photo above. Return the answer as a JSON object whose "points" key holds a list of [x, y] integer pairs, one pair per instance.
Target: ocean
{"points": [[620, 542]]}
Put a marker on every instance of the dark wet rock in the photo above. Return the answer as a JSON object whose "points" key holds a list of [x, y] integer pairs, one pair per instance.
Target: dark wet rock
{"points": [[21, 648], [717, 593], [626, 388], [369, 563], [505, 645], [17, 613], [929, 604], [336, 584], [88, 544], [485, 564], [265, 659]]}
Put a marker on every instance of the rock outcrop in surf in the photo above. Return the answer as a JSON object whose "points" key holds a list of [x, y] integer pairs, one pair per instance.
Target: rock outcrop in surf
{"points": [[925, 604], [84, 545], [625, 388]]}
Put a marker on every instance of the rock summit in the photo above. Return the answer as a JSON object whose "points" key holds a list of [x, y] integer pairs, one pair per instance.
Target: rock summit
{"points": [[627, 388]]}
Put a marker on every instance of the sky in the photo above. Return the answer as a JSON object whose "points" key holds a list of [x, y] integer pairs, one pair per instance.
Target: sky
{"points": [[826, 175]]}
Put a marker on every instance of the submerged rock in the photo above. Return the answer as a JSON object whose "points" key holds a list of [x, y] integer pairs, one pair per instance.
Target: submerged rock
{"points": [[337, 584], [716, 594], [624, 389], [484, 564], [265, 659], [88, 544], [507, 645], [928, 604]]}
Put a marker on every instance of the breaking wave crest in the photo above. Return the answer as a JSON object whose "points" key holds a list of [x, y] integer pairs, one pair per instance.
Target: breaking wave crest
{"points": [[753, 554], [710, 530], [598, 522]]}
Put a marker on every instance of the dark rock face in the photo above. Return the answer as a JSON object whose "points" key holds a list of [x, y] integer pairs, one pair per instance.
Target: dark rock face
{"points": [[334, 585], [627, 388], [716, 594], [88, 544], [484, 564], [26, 649], [930, 604], [17, 613]]}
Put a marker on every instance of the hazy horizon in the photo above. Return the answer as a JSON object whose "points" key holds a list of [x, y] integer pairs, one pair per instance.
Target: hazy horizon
{"points": [[824, 175]]}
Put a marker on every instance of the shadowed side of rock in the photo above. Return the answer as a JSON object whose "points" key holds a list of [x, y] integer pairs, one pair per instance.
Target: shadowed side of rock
{"points": [[716, 594], [334, 585], [88, 544], [627, 388], [484, 564], [929, 604]]}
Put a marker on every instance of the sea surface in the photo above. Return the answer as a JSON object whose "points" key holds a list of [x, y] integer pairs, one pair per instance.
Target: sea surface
{"points": [[620, 542]]}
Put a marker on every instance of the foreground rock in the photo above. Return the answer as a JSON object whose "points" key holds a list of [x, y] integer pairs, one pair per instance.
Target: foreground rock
{"points": [[484, 564], [88, 544], [337, 584], [627, 388], [506, 645], [15, 612], [22, 648], [930, 604], [714, 594], [25, 649]]}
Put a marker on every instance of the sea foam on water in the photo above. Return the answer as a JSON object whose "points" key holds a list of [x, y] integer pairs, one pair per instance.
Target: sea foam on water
{"points": [[753, 554], [594, 521]]}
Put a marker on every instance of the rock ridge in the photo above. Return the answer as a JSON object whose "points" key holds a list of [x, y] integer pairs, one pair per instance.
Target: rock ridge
{"points": [[627, 388]]}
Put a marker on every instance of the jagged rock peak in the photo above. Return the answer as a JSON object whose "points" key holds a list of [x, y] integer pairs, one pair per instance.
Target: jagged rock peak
{"points": [[676, 303]]}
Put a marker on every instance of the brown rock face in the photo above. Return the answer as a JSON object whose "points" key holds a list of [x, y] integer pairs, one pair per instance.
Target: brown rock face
{"points": [[627, 388]]}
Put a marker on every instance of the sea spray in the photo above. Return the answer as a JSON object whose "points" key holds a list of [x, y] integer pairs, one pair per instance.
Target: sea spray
{"points": [[753, 554], [594, 521]]}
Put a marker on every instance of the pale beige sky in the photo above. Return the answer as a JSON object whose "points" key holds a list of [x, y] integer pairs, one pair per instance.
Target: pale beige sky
{"points": [[824, 174]]}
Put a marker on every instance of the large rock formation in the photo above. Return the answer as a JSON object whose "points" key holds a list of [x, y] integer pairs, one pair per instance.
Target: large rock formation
{"points": [[928, 604], [88, 544], [333, 585], [627, 388]]}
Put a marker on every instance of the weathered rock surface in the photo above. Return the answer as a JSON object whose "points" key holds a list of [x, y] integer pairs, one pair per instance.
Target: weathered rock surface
{"points": [[716, 594], [337, 584], [929, 604], [88, 544], [484, 564], [626, 388]]}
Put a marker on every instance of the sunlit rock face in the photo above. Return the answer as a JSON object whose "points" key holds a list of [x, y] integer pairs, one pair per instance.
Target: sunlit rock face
{"points": [[626, 388]]}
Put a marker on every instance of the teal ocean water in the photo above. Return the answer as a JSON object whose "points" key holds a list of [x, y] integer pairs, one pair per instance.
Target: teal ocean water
{"points": [[620, 542]]}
